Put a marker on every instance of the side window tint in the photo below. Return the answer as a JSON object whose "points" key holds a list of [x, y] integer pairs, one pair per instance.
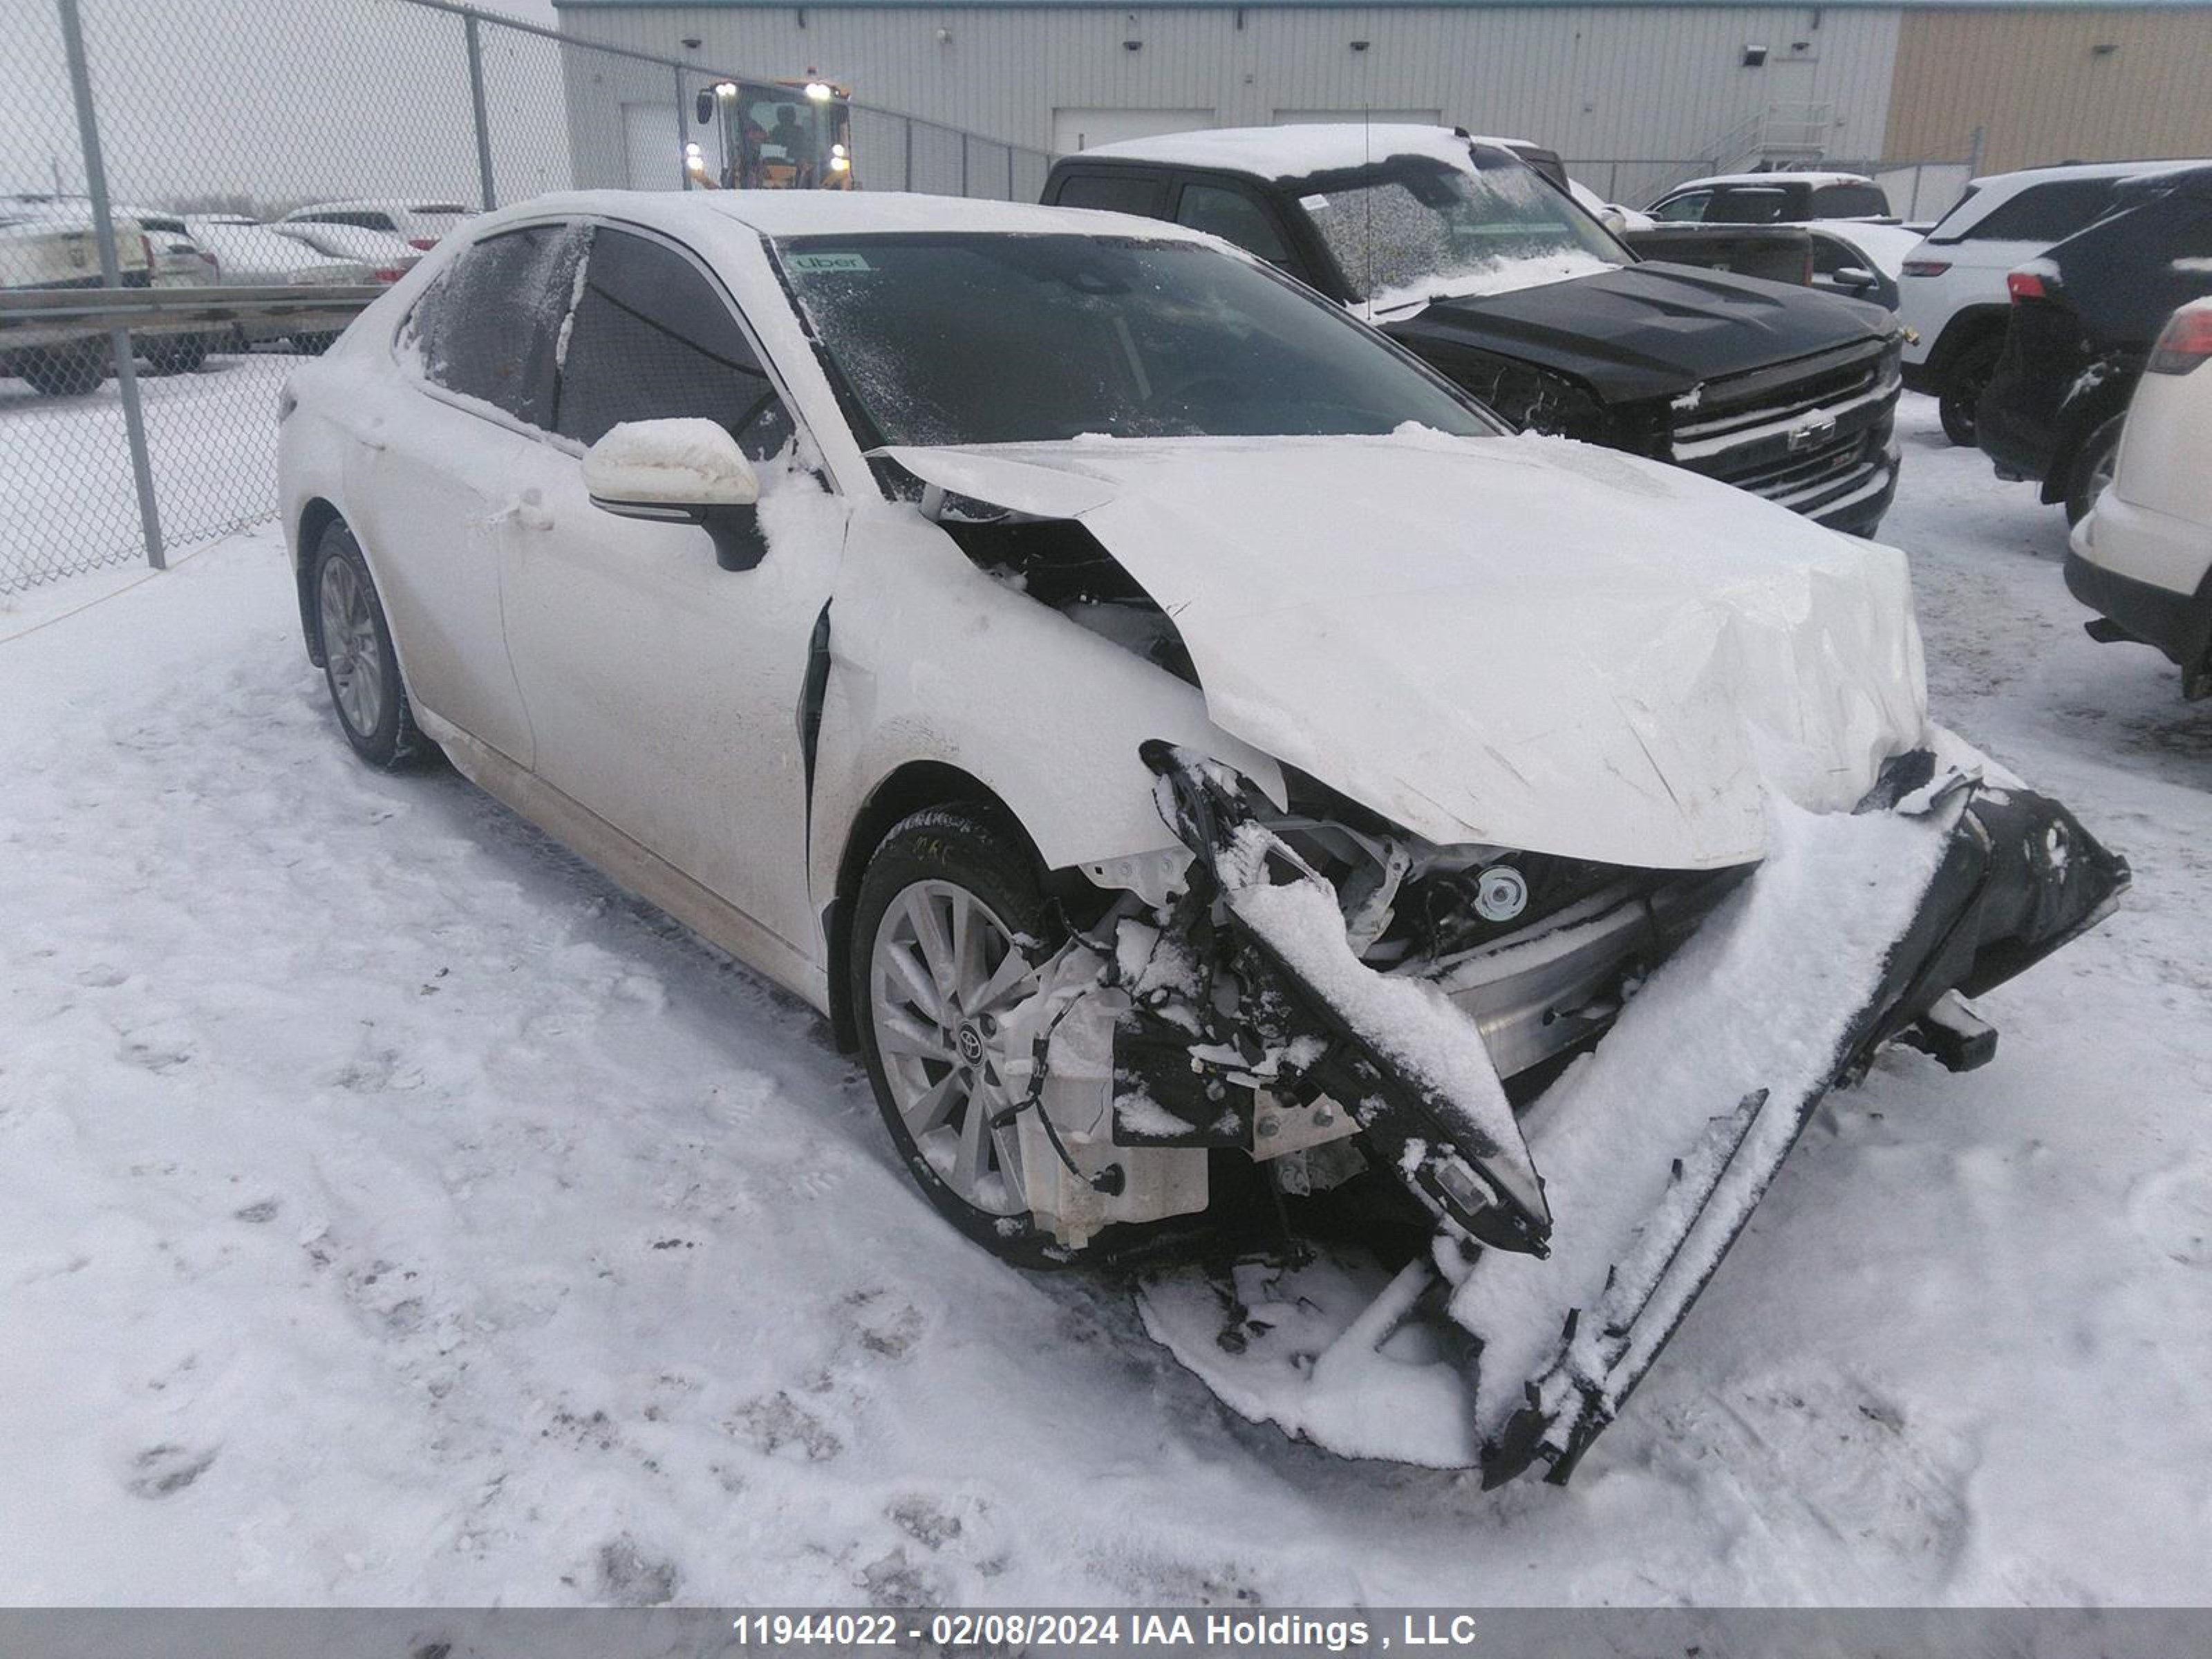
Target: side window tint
{"points": [[1233, 215], [653, 338], [1115, 192], [2046, 213], [486, 328], [1849, 202], [1683, 210]]}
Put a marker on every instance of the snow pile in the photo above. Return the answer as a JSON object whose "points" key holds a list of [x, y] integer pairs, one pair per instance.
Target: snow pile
{"points": [[1501, 276], [686, 461], [1759, 1000]]}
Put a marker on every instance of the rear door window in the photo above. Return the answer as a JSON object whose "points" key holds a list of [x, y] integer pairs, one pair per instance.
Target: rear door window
{"points": [[1141, 194], [1849, 202], [1235, 215], [654, 338], [2043, 214], [1750, 205], [1683, 210], [486, 328]]}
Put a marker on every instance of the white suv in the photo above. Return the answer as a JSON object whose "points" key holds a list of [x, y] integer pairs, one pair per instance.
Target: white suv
{"points": [[1952, 289]]}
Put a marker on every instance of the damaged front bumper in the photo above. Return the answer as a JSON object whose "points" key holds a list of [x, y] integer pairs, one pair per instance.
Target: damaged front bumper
{"points": [[1566, 1256]]}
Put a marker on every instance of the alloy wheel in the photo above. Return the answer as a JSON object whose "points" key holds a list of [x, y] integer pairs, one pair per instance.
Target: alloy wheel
{"points": [[943, 971], [350, 648]]}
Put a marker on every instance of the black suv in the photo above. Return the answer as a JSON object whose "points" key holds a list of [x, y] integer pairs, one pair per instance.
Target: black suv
{"points": [[2084, 318], [1457, 250]]}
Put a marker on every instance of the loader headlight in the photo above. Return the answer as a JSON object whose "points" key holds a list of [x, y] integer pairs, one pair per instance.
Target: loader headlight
{"points": [[839, 164], [837, 149], [818, 92]]}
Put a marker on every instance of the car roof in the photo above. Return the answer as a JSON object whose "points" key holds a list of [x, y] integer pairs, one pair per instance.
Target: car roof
{"points": [[382, 204], [778, 213], [2021, 177], [1291, 152], [1813, 179]]}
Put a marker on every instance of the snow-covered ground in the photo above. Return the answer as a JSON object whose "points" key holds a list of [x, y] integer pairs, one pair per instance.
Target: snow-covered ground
{"points": [[395, 1212]]}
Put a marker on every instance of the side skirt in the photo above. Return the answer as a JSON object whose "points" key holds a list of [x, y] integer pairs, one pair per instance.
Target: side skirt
{"points": [[629, 866]]}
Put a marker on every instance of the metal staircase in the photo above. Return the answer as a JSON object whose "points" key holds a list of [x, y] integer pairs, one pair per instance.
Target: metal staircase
{"points": [[1776, 137]]}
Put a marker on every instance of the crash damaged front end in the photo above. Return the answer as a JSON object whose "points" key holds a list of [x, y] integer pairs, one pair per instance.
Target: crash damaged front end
{"points": [[1542, 1095]]}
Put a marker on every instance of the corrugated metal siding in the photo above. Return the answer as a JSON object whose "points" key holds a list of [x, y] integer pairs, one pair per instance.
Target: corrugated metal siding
{"points": [[1591, 80], [2034, 84]]}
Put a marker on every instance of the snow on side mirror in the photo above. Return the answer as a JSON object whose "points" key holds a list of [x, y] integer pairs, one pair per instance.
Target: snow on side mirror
{"points": [[1613, 220], [680, 471]]}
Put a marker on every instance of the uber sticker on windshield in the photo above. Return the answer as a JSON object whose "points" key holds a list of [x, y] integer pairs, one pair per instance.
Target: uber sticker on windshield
{"points": [[826, 262], [1313, 204]]}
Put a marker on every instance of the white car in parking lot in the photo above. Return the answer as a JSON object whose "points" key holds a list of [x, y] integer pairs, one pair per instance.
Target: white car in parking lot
{"points": [[1950, 290], [2142, 557], [1206, 765]]}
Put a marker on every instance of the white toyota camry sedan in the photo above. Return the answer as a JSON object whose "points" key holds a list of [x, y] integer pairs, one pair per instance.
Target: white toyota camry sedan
{"points": [[1230, 788]]}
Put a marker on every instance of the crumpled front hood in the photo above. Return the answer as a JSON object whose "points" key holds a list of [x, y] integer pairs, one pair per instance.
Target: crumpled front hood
{"points": [[1645, 331], [1523, 642]]}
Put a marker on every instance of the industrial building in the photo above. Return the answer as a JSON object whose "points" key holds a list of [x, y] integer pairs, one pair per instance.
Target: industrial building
{"points": [[1638, 95]]}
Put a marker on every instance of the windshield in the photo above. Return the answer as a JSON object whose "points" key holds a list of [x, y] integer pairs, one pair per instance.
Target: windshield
{"points": [[992, 338], [1413, 229]]}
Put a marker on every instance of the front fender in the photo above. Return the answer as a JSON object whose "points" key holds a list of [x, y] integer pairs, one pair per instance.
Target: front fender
{"points": [[932, 660]]}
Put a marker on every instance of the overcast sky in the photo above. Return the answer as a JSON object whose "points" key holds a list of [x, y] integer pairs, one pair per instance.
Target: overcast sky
{"points": [[279, 100]]}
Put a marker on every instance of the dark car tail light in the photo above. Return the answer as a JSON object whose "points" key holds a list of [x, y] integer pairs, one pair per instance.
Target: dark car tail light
{"points": [[2186, 342], [389, 274], [1926, 267], [2027, 285], [426, 243]]}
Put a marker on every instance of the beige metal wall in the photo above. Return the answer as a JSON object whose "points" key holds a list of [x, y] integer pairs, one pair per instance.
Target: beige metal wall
{"points": [[1593, 81], [2040, 89]]}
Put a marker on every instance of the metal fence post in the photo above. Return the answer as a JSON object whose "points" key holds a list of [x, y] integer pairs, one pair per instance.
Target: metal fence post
{"points": [[110, 275], [484, 179], [963, 164], [1009, 172], [906, 175], [683, 130]]}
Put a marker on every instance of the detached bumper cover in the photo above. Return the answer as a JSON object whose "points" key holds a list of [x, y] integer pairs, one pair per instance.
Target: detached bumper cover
{"points": [[1573, 1254]]}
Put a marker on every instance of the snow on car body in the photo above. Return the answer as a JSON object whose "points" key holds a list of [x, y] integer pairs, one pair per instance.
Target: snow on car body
{"points": [[1177, 793]]}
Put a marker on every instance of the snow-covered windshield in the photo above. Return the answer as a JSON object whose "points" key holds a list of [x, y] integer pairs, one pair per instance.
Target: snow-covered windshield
{"points": [[1413, 229], [981, 338]]}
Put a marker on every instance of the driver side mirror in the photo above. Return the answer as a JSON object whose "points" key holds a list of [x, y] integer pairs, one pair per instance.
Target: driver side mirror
{"points": [[680, 471], [1614, 220], [1855, 277]]}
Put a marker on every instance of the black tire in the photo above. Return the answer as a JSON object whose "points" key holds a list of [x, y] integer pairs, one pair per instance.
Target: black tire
{"points": [[179, 356], [970, 849], [71, 371], [2090, 471], [389, 740], [1967, 378]]}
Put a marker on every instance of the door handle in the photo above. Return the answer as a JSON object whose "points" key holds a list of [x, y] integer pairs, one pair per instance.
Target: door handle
{"points": [[527, 513]]}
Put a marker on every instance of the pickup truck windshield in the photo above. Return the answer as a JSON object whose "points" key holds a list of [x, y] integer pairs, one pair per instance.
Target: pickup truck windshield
{"points": [[985, 338], [1413, 229]]}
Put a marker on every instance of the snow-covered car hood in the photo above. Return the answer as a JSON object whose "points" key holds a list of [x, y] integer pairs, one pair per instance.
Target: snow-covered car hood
{"points": [[1528, 642]]}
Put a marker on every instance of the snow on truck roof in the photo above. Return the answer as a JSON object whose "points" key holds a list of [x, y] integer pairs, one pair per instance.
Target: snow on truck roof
{"points": [[1816, 178], [1293, 152]]}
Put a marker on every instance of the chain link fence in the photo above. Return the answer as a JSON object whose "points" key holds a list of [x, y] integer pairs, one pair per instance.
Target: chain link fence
{"points": [[153, 292]]}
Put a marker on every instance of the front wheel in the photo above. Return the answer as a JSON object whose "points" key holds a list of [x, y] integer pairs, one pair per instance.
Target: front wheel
{"points": [[2094, 464], [359, 663], [1963, 387], [950, 919]]}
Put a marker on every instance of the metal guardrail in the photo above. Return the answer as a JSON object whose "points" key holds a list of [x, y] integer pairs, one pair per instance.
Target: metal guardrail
{"points": [[131, 307]]}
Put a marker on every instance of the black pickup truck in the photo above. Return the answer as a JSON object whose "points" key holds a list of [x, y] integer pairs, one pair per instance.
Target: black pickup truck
{"points": [[1457, 250]]}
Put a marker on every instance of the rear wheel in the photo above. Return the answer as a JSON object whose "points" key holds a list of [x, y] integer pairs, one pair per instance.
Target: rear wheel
{"points": [[1963, 386], [949, 916], [2091, 475], [359, 664], [70, 371]]}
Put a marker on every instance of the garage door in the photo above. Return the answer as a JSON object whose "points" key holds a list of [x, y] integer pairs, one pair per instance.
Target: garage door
{"points": [[1419, 117], [651, 147], [1086, 128]]}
